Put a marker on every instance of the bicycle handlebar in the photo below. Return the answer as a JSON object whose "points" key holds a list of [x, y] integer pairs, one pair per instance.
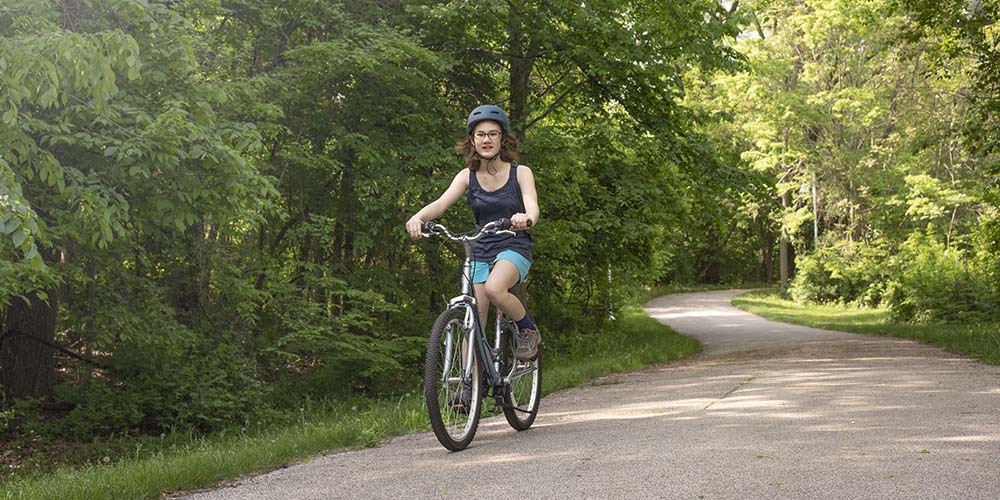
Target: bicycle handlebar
{"points": [[499, 226]]}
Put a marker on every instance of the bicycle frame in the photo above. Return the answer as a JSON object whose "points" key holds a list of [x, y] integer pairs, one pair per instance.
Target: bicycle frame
{"points": [[474, 327], [476, 337], [462, 368]]}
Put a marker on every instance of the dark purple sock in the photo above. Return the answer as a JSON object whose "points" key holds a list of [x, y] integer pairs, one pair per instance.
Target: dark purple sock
{"points": [[526, 322]]}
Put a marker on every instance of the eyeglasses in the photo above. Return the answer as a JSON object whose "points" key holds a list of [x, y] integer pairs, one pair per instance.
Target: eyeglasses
{"points": [[492, 134]]}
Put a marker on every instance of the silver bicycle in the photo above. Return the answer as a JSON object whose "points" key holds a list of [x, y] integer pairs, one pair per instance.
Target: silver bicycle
{"points": [[461, 360]]}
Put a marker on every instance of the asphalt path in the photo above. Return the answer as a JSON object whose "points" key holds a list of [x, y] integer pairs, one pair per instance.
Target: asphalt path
{"points": [[768, 410]]}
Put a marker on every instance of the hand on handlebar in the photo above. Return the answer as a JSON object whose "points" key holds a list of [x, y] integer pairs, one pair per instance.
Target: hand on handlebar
{"points": [[520, 222], [414, 227]]}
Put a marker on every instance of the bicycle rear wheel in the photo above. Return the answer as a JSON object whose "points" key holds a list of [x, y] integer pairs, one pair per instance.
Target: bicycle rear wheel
{"points": [[454, 421], [522, 382]]}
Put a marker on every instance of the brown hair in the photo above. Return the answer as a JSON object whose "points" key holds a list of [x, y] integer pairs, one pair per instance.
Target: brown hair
{"points": [[465, 147]]}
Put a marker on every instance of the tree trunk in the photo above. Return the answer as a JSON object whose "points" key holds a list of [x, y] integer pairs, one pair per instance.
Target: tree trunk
{"points": [[522, 60], [767, 253], [815, 202], [783, 254], [27, 365], [346, 207], [711, 271]]}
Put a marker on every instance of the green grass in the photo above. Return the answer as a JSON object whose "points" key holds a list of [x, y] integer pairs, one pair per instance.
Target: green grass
{"points": [[979, 341], [205, 461], [631, 342]]}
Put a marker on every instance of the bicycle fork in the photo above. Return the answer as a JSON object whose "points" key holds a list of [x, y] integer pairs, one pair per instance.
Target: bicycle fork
{"points": [[467, 337], [473, 337]]}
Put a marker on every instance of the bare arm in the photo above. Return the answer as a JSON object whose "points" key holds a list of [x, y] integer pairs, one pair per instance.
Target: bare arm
{"points": [[437, 207], [526, 179]]}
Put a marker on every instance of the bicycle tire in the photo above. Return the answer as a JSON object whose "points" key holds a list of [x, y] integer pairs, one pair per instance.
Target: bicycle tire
{"points": [[522, 391], [453, 427]]}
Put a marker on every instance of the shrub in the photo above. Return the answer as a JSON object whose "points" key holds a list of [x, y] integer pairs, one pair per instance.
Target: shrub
{"points": [[328, 339], [937, 283], [844, 272], [198, 386], [986, 262]]}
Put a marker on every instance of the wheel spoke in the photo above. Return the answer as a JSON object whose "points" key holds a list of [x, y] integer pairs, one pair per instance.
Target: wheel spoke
{"points": [[454, 416], [522, 385]]}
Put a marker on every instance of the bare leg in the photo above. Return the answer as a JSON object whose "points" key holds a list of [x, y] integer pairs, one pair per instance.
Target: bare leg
{"points": [[504, 276], [483, 302]]}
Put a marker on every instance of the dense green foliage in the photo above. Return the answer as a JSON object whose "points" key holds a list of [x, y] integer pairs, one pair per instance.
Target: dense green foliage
{"points": [[206, 198], [131, 178], [202, 201], [874, 119]]}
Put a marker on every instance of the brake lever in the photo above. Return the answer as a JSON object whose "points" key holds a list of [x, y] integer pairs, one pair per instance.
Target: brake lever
{"points": [[430, 228]]}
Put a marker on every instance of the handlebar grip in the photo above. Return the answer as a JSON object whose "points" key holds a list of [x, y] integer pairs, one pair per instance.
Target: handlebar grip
{"points": [[504, 224]]}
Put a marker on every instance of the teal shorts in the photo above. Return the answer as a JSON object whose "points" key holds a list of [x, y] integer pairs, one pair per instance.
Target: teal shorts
{"points": [[481, 269]]}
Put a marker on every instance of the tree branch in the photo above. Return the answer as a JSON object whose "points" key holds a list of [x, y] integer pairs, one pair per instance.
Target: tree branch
{"points": [[553, 84], [97, 364], [760, 29], [554, 105]]}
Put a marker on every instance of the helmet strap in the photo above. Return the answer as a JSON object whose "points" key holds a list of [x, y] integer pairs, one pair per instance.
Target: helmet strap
{"points": [[491, 167], [490, 160]]}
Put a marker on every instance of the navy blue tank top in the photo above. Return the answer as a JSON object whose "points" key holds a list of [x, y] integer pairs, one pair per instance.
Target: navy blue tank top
{"points": [[489, 206]]}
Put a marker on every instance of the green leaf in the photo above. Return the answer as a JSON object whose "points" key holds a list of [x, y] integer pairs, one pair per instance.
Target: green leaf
{"points": [[35, 261], [18, 237], [52, 73], [11, 224]]}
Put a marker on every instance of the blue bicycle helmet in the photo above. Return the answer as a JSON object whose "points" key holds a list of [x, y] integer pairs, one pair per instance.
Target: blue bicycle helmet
{"points": [[487, 112]]}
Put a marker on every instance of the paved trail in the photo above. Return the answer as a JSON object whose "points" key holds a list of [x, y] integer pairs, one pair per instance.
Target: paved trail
{"points": [[767, 411]]}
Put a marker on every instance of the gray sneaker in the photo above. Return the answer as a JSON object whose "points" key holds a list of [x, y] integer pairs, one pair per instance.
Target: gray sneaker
{"points": [[527, 344]]}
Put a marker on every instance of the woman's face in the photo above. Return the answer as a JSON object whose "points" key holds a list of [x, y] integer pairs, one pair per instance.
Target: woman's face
{"points": [[486, 137]]}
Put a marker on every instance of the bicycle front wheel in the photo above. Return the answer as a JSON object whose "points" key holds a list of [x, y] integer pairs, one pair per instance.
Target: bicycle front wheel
{"points": [[453, 399], [522, 382]]}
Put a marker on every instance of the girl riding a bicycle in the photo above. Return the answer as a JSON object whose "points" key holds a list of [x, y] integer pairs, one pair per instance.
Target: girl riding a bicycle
{"points": [[497, 187]]}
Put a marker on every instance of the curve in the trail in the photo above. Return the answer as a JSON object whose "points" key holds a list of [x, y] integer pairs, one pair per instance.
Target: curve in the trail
{"points": [[767, 411], [723, 329]]}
